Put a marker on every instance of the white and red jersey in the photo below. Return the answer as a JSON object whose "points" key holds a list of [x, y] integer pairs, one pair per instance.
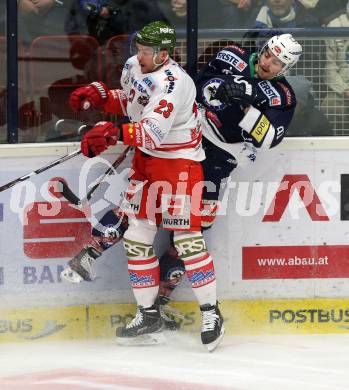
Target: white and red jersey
{"points": [[162, 106]]}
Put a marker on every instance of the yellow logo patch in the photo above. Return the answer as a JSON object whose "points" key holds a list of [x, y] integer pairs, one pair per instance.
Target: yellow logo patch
{"points": [[259, 132]]}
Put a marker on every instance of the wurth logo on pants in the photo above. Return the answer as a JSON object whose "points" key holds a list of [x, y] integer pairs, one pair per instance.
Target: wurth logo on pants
{"points": [[61, 235]]}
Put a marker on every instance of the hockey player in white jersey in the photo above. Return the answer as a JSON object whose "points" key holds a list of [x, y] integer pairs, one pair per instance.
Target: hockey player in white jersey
{"points": [[166, 184]]}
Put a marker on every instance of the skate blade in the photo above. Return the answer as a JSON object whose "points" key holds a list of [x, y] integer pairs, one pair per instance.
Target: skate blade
{"points": [[71, 276], [144, 339], [212, 346]]}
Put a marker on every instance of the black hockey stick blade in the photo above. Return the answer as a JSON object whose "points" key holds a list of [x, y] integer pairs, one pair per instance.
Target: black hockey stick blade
{"points": [[68, 193]]}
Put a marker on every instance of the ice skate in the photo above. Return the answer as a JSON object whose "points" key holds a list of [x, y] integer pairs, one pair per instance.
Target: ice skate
{"points": [[212, 329], [144, 329], [168, 314], [80, 267]]}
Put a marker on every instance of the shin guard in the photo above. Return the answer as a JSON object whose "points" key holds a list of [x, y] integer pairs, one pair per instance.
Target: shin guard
{"points": [[198, 263]]}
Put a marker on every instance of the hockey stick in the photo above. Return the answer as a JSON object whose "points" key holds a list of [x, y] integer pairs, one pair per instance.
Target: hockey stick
{"points": [[40, 170], [72, 198], [79, 268], [80, 131]]}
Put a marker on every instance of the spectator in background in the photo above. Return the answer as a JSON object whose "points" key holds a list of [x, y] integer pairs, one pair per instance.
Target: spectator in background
{"points": [[76, 20], [36, 7], [142, 12], [336, 103], [284, 14], [41, 17], [35, 18], [103, 19], [211, 13], [324, 10], [308, 120], [308, 4], [242, 4], [99, 18]]}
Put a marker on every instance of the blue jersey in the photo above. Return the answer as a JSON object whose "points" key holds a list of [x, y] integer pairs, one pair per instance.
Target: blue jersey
{"points": [[266, 122]]}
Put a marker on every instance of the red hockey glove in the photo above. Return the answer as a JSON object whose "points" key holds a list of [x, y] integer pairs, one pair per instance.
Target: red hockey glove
{"points": [[92, 95], [98, 139]]}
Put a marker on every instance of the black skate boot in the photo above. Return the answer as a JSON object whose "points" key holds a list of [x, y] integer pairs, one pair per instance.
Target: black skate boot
{"points": [[144, 329], [167, 313], [80, 267], [212, 329]]}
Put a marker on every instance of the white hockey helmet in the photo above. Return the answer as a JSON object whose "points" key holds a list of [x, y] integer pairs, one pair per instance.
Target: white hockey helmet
{"points": [[286, 49]]}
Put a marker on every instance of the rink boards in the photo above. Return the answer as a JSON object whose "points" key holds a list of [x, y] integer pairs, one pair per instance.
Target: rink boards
{"points": [[254, 317], [280, 246]]}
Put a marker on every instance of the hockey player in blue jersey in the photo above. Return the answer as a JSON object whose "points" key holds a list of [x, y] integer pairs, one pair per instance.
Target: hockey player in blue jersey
{"points": [[246, 105], [248, 93]]}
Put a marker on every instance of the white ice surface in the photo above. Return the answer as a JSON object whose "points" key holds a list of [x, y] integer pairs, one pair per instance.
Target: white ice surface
{"points": [[309, 362]]}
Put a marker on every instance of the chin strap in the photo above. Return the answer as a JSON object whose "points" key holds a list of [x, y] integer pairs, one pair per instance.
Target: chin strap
{"points": [[162, 63]]}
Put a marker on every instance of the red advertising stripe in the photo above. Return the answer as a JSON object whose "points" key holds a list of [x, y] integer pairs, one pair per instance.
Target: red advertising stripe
{"points": [[295, 262], [62, 235], [306, 191]]}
